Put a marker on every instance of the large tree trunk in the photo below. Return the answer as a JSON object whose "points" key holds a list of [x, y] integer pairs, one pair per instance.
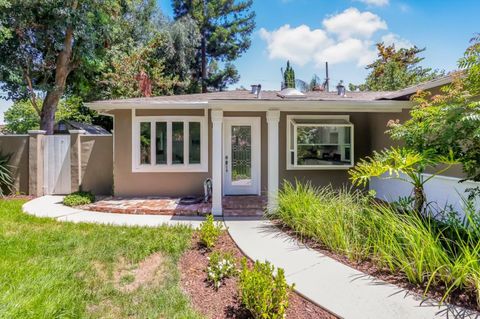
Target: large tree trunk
{"points": [[63, 68]]}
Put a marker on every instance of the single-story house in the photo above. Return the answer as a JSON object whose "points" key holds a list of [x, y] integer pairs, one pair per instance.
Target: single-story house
{"points": [[247, 142]]}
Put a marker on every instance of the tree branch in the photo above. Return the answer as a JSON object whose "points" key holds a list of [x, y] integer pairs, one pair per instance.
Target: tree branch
{"points": [[33, 96]]}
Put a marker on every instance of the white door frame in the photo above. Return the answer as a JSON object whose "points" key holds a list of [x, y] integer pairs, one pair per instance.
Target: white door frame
{"points": [[255, 187]]}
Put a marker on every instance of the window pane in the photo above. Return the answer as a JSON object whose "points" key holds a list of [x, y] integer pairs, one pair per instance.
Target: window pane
{"points": [[145, 142], [161, 143], [328, 145], [177, 142], [241, 155], [194, 142]]}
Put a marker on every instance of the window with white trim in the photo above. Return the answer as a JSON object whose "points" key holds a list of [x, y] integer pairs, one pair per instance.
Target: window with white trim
{"points": [[170, 144], [319, 142]]}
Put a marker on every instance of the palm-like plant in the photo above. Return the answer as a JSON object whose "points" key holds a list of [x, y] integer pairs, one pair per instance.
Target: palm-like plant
{"points": [[6, 180], [402, 164]]}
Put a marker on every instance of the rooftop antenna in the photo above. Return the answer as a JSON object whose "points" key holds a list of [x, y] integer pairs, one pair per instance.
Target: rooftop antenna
{"points": [[326, 85]]}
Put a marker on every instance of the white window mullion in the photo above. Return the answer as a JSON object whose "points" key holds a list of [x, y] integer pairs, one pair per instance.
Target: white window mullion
{"points": [[153, 144], [294, 146], [186, 158], [169, 143]]}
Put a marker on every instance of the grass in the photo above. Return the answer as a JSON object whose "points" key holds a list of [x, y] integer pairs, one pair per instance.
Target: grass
{"points": [[352, 224], [63, 270]]}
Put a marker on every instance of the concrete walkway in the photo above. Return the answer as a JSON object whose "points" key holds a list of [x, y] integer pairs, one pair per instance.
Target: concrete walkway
{"points": [[340, 289], [51, 206]]}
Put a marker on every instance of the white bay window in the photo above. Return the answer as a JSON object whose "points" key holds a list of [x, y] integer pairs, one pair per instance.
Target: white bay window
{"points": [[319, 142], [170, 144]]}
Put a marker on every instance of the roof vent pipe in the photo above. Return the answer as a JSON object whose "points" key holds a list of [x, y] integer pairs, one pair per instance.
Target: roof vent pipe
{"points": [[341, 88], [254, 89], [259, 91]]}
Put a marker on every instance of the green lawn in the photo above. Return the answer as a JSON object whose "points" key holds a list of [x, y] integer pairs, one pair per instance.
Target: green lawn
{"points": [[63, 270]]}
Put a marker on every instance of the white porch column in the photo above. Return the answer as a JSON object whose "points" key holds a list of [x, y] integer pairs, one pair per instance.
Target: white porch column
{"points": [[273, 118], [217, 154]]}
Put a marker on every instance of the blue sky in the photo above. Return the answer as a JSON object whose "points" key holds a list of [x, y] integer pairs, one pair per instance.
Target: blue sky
{"points": [[309, 32]]}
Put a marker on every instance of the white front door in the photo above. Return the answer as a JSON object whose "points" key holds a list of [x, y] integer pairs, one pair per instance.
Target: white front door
{"points": [[241, 166]]}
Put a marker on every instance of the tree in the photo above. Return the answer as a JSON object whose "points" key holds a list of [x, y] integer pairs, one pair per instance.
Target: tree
{"points": [[50, 40], [5, 32], [403, 164], [395, 69], [22, 116], [288, 76], [160, 67], [449, 121], [225, 27]]}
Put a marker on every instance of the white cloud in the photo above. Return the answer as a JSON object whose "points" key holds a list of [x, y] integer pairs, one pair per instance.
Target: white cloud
{"points": [[392, 38], [352, 22], [378, 3], [349, 50], [295, 44], [345, 37]]}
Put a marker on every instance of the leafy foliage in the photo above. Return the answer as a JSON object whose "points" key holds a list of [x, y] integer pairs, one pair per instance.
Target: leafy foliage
{"points": [[427, 252], [209, 232], [22, 117], [403, 164], [78, 198], [262, 292], [288, 76], [6, 179], [5, 32], [449, 121], [395, 69], [56, 39], [225, 28], [220, 267]]}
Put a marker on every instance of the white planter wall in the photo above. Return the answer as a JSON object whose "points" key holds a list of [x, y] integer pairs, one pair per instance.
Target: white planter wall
{"points": [[442, 190]]}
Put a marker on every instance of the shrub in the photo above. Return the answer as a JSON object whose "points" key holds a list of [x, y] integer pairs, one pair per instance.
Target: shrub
{"points": [[264, 294], [220, 267], [78, 198], [209, 232], [6, 180]]}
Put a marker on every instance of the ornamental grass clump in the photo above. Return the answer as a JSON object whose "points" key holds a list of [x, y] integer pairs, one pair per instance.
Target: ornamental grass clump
{"points": [[404, 242], [262, 292], [220, 267], [209, 232]]}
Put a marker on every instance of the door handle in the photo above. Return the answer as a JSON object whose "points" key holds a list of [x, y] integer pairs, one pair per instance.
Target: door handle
{"points": [[226, 163]]}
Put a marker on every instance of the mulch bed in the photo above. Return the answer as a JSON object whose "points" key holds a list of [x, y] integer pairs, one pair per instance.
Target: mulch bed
{"points": [[225, 302], [459, 298], [18, 196]]}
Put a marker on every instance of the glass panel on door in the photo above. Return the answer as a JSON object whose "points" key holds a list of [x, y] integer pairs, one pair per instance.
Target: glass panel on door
{"points": [[241, 156]]}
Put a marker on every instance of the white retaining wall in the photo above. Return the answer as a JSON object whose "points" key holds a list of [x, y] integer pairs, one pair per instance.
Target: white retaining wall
{"points": [[442, 190]]}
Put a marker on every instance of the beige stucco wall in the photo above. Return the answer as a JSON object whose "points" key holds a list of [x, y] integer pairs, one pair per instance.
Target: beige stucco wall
{"points": [[127, 183], [17, 145], [97, 163]]}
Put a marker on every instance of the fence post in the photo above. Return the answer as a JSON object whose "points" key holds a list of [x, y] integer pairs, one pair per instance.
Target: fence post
{"points": [[76, 158], [35, 162]]}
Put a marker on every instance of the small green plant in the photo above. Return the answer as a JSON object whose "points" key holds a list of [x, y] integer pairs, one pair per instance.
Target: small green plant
{"points": [[209, 232], [79, 198], [6, 180], [220, 267], [264, 294]]}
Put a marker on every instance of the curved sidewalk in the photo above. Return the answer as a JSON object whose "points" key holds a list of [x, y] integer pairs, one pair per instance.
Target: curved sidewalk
{"points": [[340, 289], [51, 206]]}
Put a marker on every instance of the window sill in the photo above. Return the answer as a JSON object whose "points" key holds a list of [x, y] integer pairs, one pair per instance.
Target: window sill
{"points": [[170, 169], [320, 168]]}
